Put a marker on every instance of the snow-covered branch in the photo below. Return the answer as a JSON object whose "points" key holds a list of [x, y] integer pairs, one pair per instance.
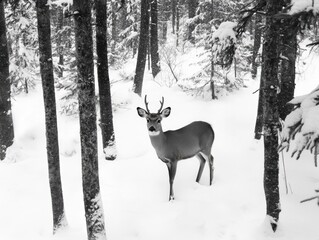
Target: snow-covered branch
{"points": [[302, 125]]}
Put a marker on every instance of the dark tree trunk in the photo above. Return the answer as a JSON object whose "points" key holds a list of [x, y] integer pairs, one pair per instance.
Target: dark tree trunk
{"points": [[288, 62], [271, 118], [114, 32], [86, 96], [154, 40], [6, 122], [46, 68], [177, 22], [260, 110], [59, 43], [192, 5], [173, 5], [142, 48], [106, 123], [257, 43]]}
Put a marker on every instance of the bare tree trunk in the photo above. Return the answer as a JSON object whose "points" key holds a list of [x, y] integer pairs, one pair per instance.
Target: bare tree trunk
{"points": [[142, 48], [6, 122], [288, 62], [86, 96], [173, 5], [46, 67], [271, 117], [192, 5], [177, 21], [154, 40], [59, 40], [106, 124], [257, 43]]}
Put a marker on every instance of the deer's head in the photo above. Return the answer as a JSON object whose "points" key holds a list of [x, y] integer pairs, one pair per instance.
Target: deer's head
{"points": [[154, 119]]}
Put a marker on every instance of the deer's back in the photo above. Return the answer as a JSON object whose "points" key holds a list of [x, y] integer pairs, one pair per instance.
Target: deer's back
{"points": [[189, 140]]}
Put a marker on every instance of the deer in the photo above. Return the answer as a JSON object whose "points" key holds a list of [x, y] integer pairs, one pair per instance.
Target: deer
{"points": [[194, 139]]}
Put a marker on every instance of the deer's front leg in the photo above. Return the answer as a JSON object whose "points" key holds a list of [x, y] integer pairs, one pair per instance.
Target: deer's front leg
{"points": [[171, 172]]}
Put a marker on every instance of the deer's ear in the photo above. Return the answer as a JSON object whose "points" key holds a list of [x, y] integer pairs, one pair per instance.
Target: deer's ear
{"points": [[141, 112], [166, 112]]}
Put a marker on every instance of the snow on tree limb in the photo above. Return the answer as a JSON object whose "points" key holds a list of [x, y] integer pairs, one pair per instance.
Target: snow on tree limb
{"points": [[302, 124], [224, 41]]}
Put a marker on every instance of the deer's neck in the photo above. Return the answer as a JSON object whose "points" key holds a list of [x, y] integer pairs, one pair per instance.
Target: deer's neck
{"points": [[158, 141]]}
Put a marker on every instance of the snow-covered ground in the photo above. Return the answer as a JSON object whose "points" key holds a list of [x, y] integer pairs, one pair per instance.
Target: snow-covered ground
{"points": [[135, 186]]}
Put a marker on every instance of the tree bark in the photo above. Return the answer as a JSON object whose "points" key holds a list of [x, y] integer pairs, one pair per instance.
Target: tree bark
{"points": [[86, 96], [173, 5], [192, 5], [271, 118], [142, 48], [59, 43], [257, 43], [177, 22], [6, 122], [154, 40], [260, 110], [288, 63], [46, 68], [106, 123]]}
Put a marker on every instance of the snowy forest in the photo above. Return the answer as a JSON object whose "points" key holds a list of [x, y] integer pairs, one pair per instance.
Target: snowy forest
{"points": [[236, 82]]}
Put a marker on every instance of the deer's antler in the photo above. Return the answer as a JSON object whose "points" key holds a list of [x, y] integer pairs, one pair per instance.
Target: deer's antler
{"points": [[146, 104], [162, 104]]}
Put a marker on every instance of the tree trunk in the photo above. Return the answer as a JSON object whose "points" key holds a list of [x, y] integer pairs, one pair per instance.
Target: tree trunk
{"points": [[46, 68], [142, 48], [106, 123], [192, 5], [260, 110], [173, 5], [271, 118], [6, 122], [86, 96], [59, 43], [288, 62], [154, 40], [177, 22], [257, 42]]}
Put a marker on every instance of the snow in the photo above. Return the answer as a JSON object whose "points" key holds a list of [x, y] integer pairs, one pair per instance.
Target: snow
{"points": [[134, 187], [304, 5]]}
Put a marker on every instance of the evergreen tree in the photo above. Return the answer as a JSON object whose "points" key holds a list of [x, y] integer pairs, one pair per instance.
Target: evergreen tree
{"points": [[106, 123], [6, 122], [257, 43], [271, 115], [154, 40], [46, 68], [142, 48], [88, 130], [288, 50]]}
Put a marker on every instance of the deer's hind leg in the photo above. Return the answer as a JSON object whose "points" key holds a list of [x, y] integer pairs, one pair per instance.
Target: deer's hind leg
{"points": [[210, 159], [202, 161]]}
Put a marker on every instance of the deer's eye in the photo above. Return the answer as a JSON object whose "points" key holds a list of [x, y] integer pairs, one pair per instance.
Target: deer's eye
{"points": [[147, 119], [159, 121]]}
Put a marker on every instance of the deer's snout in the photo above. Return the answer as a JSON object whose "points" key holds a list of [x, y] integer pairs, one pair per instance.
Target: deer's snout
{"points": [[152, 129]]}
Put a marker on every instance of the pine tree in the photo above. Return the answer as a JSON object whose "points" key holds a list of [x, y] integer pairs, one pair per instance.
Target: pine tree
{"points": [[6, 122], [88, 130], [192, 5], [106, 123], [288, 61], [257, 43], [142, 48], [154, 40], [46, 68], [271, 116]]}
